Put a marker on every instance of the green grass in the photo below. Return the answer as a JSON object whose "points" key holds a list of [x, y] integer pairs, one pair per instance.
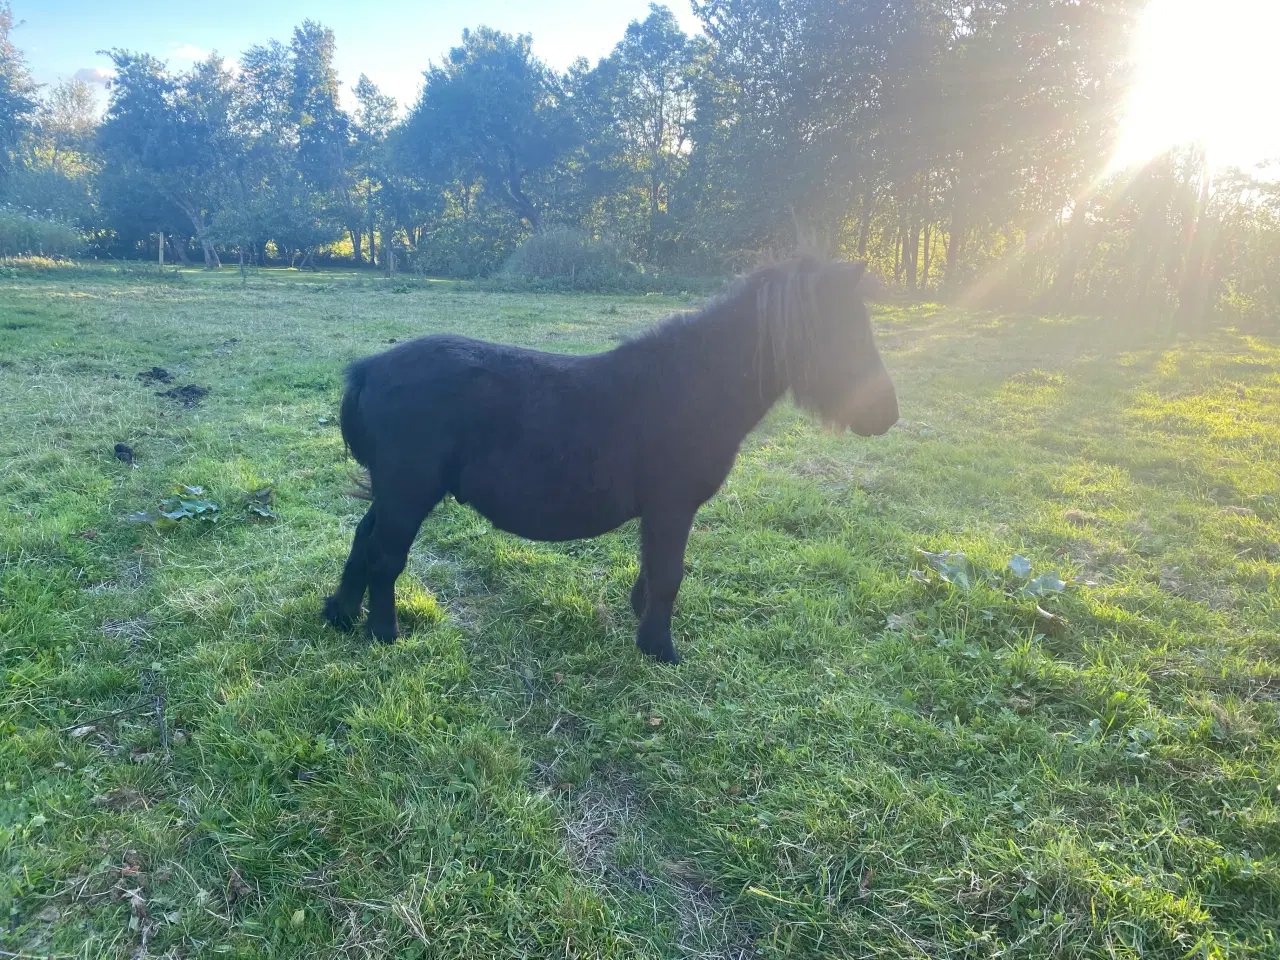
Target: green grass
{"points": [[850, 762]]}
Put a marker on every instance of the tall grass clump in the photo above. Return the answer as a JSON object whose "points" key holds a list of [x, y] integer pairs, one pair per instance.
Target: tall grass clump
{"points": [[564, 258], [567, 259], [23, 234]]}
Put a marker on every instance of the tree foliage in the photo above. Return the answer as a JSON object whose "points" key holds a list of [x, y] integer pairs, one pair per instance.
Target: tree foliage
{"points": [[494, 111], [17, 95], [960, 147], [168, 141]]}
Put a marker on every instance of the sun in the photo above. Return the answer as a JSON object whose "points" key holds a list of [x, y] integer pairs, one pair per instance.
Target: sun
{"points": [[1205, 72]]}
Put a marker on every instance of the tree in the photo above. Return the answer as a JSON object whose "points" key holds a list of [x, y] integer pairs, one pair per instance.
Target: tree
{"points": [[649, 82], [493, 110], [374, 119], [56, 167], [17, 95], [323, 128], [297, 141], [784, 111], [68, 119], [172, 137]]}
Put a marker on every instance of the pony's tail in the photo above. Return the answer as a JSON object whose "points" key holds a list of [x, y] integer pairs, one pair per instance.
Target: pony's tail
{"points": [[354, 429], [363, 486]]}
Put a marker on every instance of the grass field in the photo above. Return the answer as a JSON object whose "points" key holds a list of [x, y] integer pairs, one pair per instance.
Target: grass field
{"points": [[854, 760]]}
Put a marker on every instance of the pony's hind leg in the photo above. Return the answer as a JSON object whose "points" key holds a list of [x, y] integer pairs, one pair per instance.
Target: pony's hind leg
{"points": [[400, 514], [342, 607], [639, 592], [663, 538]]}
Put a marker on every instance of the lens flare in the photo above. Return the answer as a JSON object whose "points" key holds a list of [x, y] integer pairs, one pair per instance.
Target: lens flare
{"points": [[1204, 73]]}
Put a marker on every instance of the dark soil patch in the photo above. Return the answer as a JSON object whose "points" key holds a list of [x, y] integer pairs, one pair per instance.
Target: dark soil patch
{"points": [[188, 396], [156, 375]]}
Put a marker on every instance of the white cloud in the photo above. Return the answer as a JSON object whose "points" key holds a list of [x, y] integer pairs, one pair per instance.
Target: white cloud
{"points": [[93, 76], [186, 53]]}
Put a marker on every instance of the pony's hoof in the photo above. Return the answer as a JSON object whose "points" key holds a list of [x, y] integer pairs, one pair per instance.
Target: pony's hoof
{"points": [[382, 635], [338, 616], [662, 650]]}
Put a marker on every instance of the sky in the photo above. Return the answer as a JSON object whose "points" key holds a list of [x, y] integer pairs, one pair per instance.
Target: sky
{"points": [[1205, 78], [392, 41]]}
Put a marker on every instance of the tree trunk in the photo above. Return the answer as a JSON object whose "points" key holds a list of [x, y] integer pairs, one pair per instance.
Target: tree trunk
{"points": [[654, 186], [524, 207], [899, 247], [911, 255], [1193, 295], [1063, 291], [211, 261], [196, 216], [179, 250], [355, 245], [868, 198], [928, 240], [955, 248]]}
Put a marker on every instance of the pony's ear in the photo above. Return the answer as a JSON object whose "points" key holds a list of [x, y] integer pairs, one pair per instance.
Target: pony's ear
{"points": [[853, 272], [847, 277]]}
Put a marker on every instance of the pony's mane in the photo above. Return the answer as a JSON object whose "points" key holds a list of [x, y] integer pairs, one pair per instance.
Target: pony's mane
{"points": [[783, 289], [786, 313], [783, 293], [776, 305]]}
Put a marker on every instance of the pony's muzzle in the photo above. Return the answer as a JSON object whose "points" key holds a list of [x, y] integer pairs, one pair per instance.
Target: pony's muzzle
{"points": [[875, 409]]}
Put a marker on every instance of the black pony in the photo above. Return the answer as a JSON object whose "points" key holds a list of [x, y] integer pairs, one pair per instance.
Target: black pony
{"points": [[553, 447]]}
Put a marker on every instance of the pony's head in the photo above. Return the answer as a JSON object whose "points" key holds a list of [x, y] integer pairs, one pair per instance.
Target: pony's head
{"points": [[818, 333]]}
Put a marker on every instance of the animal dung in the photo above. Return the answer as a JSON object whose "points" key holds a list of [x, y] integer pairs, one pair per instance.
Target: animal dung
{"points": [[188, 396]]}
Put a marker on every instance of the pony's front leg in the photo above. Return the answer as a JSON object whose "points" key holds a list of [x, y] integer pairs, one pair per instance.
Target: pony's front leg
{"points": [[663, 536], [639, 593]]}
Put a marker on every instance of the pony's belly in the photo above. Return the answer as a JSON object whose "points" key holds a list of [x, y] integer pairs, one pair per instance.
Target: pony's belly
{"points": [[546, 504], [554, 521]]}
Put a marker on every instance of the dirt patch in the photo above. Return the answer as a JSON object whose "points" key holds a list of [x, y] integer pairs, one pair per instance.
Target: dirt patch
{"points": [[1097, 559], [121, 799], [455, 590], [188, 396], [604, 811], [600, 812], [1078, 518], [132, 631], [1215, 594], [707, 928]]}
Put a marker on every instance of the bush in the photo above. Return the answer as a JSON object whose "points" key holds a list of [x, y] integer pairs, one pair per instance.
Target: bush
{"points": [[24, 235], [565, 259], [460, 250], [568, 259]]}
